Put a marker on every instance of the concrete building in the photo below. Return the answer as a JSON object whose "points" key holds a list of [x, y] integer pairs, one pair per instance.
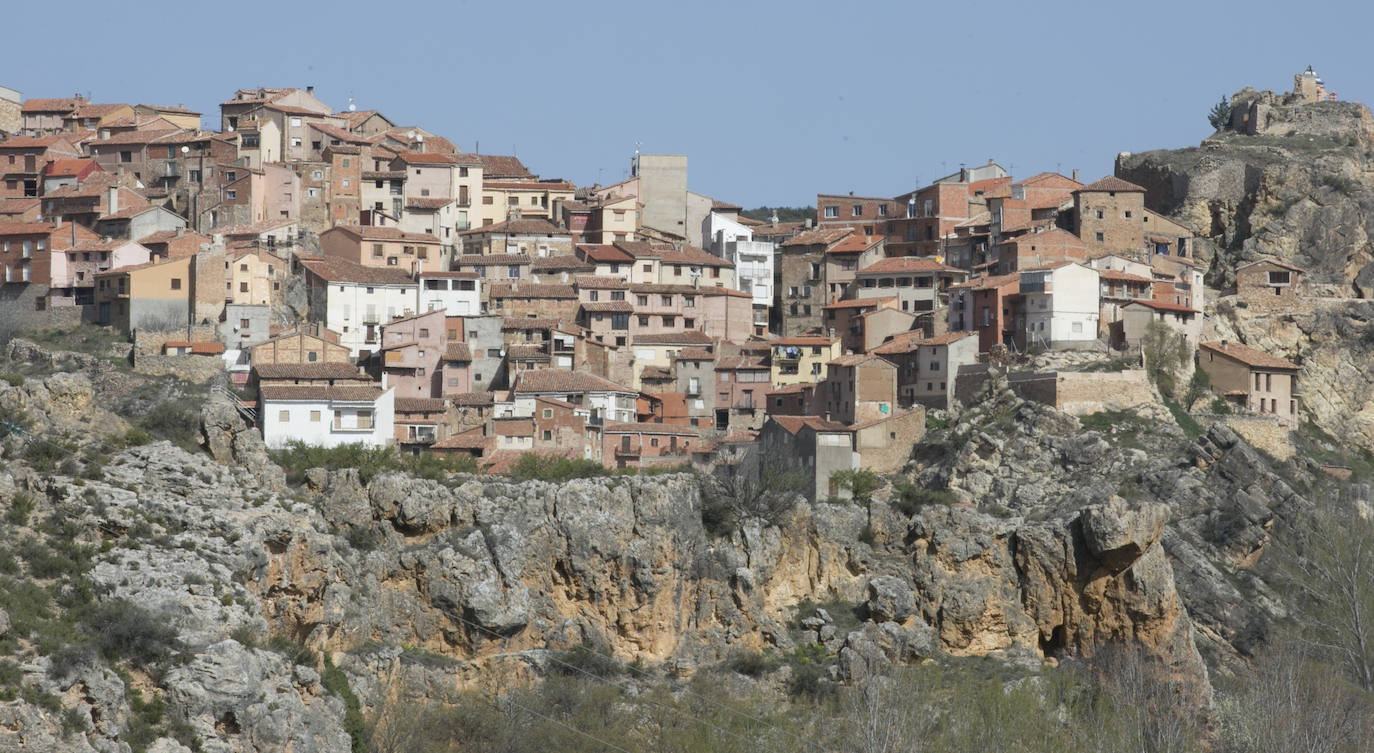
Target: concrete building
{"points": [[326, 416], [384, 247], [73, 270], [457, 293], [411, 349], [154, 296], [1252, 379], [245, 324], [356, 301], [928, 366], [1059, 307], [663, 192], [802, 359]]}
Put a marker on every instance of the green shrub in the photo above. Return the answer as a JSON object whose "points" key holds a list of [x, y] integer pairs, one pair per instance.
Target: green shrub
{"points": [[21, 505], [534, 466], [751, 663], [296, 653], [910, 498], [14, 380], [809, 666], [123, 630], [297, 458], [177, 421], [335, 681], [1186, 422], [245, 635], [584, 661], [45, 456]]}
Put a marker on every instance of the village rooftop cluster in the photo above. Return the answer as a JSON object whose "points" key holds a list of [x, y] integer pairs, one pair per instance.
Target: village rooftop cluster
{"points": [[365, 282]]}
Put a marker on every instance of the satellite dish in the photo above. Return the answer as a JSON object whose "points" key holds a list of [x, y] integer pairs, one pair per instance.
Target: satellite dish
{"points": [[185, 149]]}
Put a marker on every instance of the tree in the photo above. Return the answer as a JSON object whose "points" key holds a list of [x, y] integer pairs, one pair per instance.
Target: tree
{"points": [[1220, 116], [735, 491], [860, 483], [1326, 560], [1166, 353]]}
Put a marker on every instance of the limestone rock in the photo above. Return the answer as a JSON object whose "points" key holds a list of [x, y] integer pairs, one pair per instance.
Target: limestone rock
{"points": [[1118, 535]]}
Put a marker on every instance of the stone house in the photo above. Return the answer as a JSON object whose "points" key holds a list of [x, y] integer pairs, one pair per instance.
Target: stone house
{"points": [[373, 246], [529, 236], [742, 382], [694, 377], [860, 388], [1108, 216], [604, 400], [920, 284], [800, 292], [865, 323], [1137, 315], [1269, 283], [1038, 249], [843, 261], [320, 346], [640, 445], [1252, 379], [927, 366]]}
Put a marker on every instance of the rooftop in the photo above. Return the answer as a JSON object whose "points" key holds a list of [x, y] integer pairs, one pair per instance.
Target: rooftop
{"points": [[1249, 356]]}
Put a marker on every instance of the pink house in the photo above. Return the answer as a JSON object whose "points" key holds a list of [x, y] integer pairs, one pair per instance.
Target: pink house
{"points": [[412, 348], [73, 270]]}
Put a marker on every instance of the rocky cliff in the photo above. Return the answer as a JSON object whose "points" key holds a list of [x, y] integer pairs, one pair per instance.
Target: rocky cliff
{"points": [[1053, 538]]}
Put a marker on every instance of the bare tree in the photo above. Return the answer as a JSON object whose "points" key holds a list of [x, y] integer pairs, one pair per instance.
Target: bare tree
{"points": [[1327, 562], [887, 716], [1153, 707], [734, 492]]}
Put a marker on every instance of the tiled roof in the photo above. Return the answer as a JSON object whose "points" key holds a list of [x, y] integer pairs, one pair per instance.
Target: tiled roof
{"points": [[565, 262], [1110, 183], [691, 255], [1112, 274], [1165, 306], [618, 427], [256, 228], [175, 110], [468, 440], [29, 142], [856, 359], [331, 394], [134, 137], [654, 373], [805, 340], [515, 323], [907, 342], [502, 166], [385, 233], [606, 254], [653, 287], [988, 283], [318, 370], [608, 307], [725, 205], [340, 270], [789, 389], [25, 228], [473, 398], [384, 174], [447, 274], [427, 202], [1275, 262], [748, 363], [695, 354], [529, 290], [60, 104], [855, 244], [67, 167], [479, 260], [458, 352], [562, 380], [420, 405], [542, 185], [824, 236], [523, 226], [794, 424], [689, 337], [1053, 237], [526, 352], [895, 264], [861, 303], [94, 111], [1249, 356]]}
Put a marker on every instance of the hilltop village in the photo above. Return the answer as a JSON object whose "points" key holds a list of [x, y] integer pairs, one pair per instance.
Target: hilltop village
{"points": [[353, 280]]}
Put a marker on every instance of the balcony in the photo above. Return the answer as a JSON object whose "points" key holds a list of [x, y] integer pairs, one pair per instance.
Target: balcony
{"points": [[745, 404], [421, 433]]}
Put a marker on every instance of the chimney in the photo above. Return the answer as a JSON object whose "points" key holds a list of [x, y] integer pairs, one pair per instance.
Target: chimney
{"points": [[58, 222], [309, 90], [112, 200], [180, 232], [1075, 174]]}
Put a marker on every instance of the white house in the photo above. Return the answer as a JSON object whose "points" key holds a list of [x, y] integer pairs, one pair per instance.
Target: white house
{"points": [[457, 293], [356, 301], [324, 416], [1060, 304], [604, 400]]}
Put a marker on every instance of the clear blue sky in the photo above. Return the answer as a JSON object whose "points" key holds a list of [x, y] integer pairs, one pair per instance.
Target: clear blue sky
{"points": [[773, 102]]}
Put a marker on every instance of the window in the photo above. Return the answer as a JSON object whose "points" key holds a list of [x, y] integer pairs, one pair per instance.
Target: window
{"points": [[283, 416], [1098, 237], [231, 194], [642, 300], [689, 323], [126, 156], [648, 267], [617, 295], [832, 211], [882, 210], [548, 435], [488, 200], [312, 356], [176, 283], [548, 413], [243, 287], [592, 295], [677, 270], [346, 163], [493, 352], [317, 175], [668, 321], [513, 272], [858, 210], [1099, 214], [513, 201], [1280, 278], [314, 416], [295, 122], [1128, 214], [643, 321], [312, 192], [296, 141], [689, 301]]}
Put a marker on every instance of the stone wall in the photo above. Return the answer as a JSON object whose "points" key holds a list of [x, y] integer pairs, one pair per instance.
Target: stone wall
{"points": [[197, 369], [19, 309], [150, 342], [1264, 432], [1075, 392]]}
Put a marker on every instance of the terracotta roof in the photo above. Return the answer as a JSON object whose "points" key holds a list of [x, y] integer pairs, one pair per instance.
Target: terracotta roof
{"points": [[526, 352], [654, 373], [653, 287], [1110, 183], [562, 380], [1250, 357], [491, 259], [907, 264], [383, 174], [457, 352], [25, 228], [605, 253], [805, 340], [340, 270], [1275, 262], [747, 363], [820, 236], [987, 283], [855, 244], [907, 342], [861, 303], [1164, 306], [427, 202], [177, 110], [517, 289], [318, 370], [690, 255], [789, 389], [794, 424], [523, 226], [356, 118], [385, 233], [856, 359], [502, 166], [468, 440], [695, 354], [566, 262], [1053, 237], [58, 104], [134, 137], [608, 307], [515, 323], [448, 275], [601, 283], [420, 405], [689, 337], [473, 398], [67, 167], [331, 394], [541, 185], [618, 427]]}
